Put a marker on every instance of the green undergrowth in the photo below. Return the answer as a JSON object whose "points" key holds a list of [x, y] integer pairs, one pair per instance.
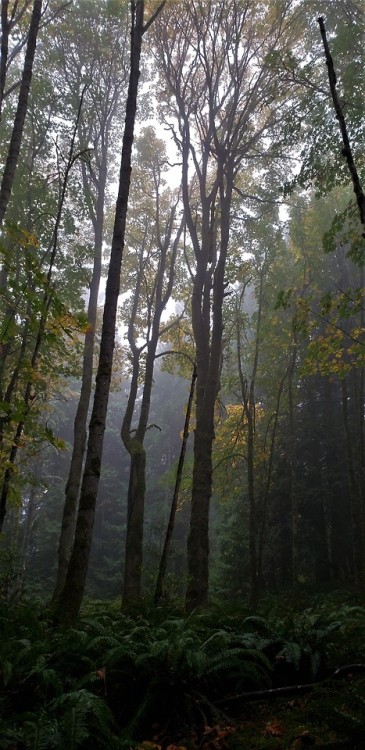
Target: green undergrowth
{"points": [[329, 715], [116, 680]]}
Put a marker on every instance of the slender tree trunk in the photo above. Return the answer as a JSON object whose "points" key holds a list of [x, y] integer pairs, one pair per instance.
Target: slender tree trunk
{"points": [[346, 151], [134, 538], [292, 482], [22, 562], [46, 304], [248, 401], [250, 415], [69, 601], [137, 478], [354, 495], [132, 584], [16, 137], [7, 343], [5, 26], [171, 523], [265, 504], [361, 435], [331, 458], [137, 489], [80, 422]]}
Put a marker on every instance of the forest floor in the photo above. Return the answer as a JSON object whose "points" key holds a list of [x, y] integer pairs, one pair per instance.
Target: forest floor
{"points": [[331, 717], [287, 677]]}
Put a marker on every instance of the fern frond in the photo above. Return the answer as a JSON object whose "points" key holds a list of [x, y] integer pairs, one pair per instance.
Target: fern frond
{"points": [[238, 659], [82, 714], [40, 733], [106, 641], [291, 652], [259, 624]]}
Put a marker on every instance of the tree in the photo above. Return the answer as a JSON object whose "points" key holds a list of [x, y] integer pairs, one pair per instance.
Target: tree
{"points": [[98, 56], [158, 595], [47, 301], [154, 273], [347, 150], [69, 600], [225, 99], [26, 79]]}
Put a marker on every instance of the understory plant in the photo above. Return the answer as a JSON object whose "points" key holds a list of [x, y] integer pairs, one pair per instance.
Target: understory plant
{"points": [[113, 677]]}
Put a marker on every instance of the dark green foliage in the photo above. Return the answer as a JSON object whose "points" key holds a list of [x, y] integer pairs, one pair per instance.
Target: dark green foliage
{"points": [[113, 677], [42, 699]]}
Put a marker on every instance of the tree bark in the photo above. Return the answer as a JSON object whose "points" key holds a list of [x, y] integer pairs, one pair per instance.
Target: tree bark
{"points": [[171, 523], [292, 473], [135, 445], [5, 27], [105, 94], [347, 150], [208, 342], [69, 601], [217, 93], [265, 504], [17, 133], [80, 422], [354, 491]]}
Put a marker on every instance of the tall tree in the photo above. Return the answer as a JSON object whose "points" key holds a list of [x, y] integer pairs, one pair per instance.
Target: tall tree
{"points": [[154, 275], [19, 120], [225, 98], [347, 150], [98, 55], [70, 598]]}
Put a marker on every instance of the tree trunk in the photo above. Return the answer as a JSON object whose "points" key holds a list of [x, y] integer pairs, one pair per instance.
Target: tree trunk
{"points": [[46, 304], [134, 539], [347, 150], [5, 26], [292, 481], [213, 108], [354, 494], [209, 360], [198, 539], [16, 136], [265, 504], [161, 286], [69, 601], [171, 523], [25, 544], [80, 422], [137, 488], [94, 187]]}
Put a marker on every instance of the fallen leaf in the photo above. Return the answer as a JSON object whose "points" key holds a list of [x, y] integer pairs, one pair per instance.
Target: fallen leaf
{"points": [[273, 729], [218, 736]]}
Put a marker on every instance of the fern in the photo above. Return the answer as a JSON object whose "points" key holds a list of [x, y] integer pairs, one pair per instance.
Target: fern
{"points": [[259, 625], [82, 715], [291, 652], [74, 725], [9, 737], [245, 663], [106, 641], [40, 733]]}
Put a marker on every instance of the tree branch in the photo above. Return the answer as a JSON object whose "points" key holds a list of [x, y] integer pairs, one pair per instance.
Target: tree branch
{"points": [[346, 151]]}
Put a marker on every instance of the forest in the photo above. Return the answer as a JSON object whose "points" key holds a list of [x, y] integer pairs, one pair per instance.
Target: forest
{"points": [[182, 374]]}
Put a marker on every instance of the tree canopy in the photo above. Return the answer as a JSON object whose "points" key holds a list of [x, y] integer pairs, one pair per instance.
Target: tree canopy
{"points": [[230, 245]]}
